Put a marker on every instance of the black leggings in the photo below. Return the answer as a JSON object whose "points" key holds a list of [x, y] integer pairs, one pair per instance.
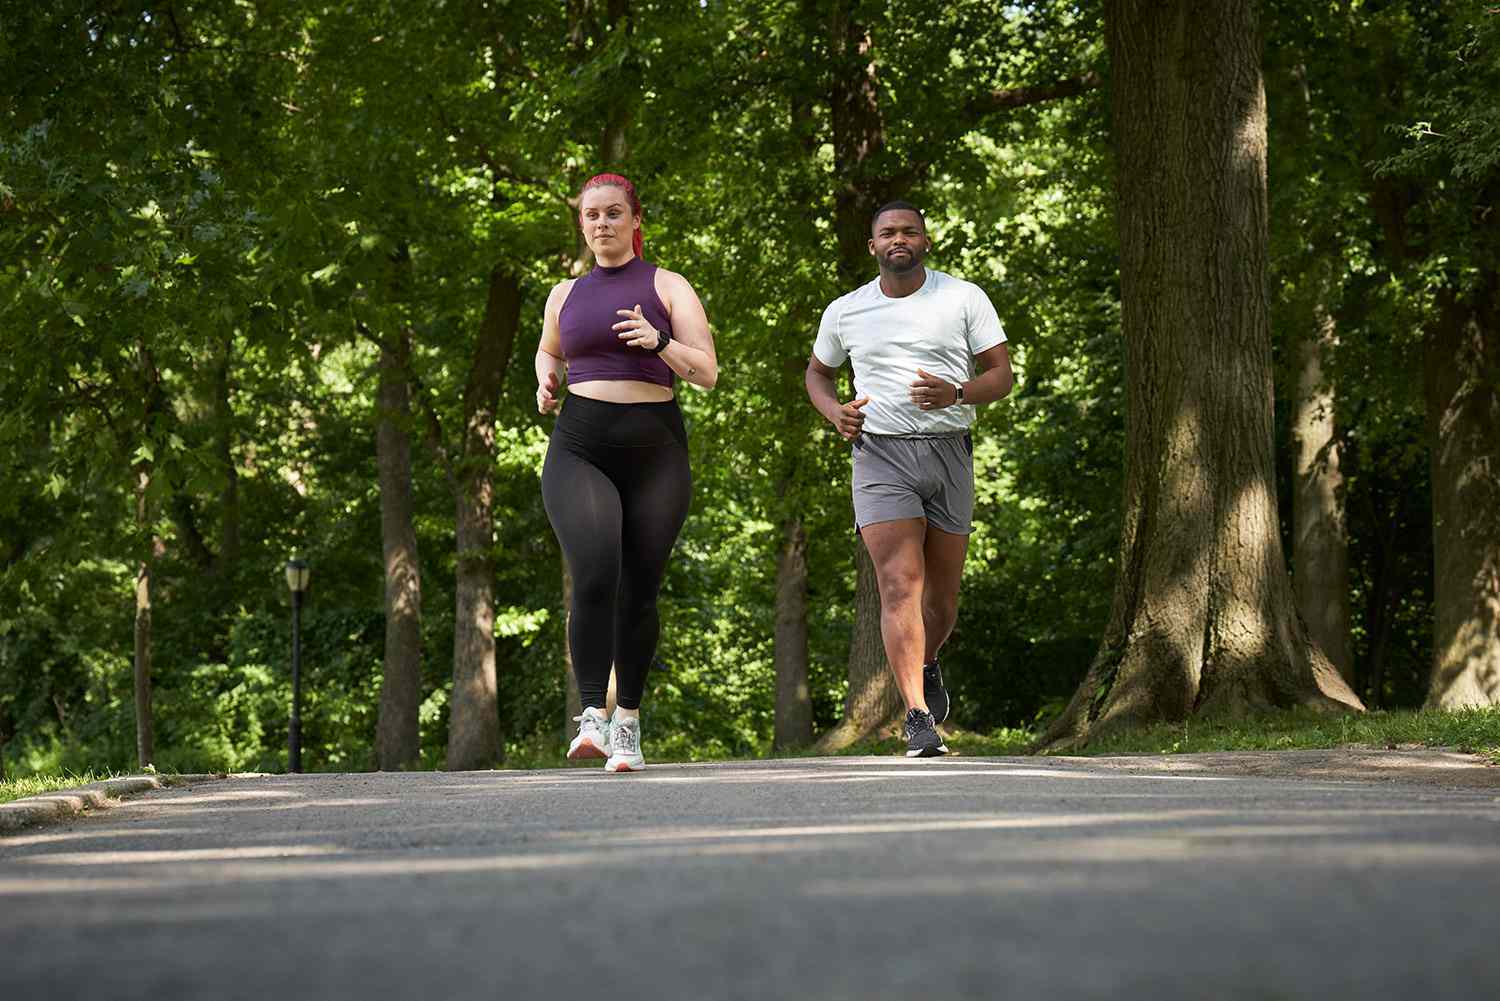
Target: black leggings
{"points": [[616, 486]]}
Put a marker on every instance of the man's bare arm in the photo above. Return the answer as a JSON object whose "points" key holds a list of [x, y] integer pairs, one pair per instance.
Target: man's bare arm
{"points": [[846, 417]]}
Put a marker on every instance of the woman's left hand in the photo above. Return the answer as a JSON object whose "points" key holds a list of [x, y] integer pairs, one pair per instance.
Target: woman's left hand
{"points": [[635, 330]]}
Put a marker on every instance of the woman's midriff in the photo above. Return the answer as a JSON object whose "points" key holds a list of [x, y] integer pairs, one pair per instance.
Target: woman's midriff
{"points": [[621, 391]]}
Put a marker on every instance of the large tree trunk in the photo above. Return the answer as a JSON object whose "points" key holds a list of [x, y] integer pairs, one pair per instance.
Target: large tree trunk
{"points": [[858, 148], [1203, 619], [793, 726], [872, 701], [1320, 541], [474, 716], [397, 743], [145, 736], [1463, 407]]}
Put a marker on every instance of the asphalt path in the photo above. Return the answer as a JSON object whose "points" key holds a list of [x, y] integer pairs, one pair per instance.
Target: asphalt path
{"points": [[819, 878]]}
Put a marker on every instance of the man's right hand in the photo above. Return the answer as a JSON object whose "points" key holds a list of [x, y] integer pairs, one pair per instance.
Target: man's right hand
{"points": [[851, 418], [546, 395]]}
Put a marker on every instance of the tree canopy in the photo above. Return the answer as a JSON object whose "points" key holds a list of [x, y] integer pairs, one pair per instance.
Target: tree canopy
{"points": [[221, 223]]}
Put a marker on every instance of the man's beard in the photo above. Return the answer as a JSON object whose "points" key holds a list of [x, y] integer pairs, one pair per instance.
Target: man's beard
{"points": [[902, 264]]}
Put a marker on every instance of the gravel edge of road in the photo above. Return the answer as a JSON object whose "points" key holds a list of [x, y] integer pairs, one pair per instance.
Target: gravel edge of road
{"points": [[64, 804]]}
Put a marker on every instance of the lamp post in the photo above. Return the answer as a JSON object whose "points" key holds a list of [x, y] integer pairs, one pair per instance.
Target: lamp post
{"points": [[297, 574]]}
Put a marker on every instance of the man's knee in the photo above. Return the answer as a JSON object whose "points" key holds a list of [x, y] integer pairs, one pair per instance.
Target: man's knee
{"points": [[899, 586], [940, 611]]}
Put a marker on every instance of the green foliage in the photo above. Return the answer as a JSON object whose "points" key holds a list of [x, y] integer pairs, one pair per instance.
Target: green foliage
{"points": [[212, 217]]}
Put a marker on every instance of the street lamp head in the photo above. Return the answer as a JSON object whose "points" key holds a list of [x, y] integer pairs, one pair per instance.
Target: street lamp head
{"points": [[297, 574]]}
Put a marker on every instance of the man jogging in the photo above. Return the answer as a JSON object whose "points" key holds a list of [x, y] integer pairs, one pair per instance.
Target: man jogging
{"points": [[914, 337]]}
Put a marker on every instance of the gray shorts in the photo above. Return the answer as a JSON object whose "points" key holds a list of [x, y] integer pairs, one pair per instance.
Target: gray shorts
{"points": [[931, 477]]}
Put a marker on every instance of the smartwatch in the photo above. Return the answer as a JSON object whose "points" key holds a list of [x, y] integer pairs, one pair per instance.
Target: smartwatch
{"points": [[958, 398], [662, 340]]}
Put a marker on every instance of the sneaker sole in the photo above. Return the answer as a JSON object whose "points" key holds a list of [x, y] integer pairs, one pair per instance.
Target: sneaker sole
{"points": [[928, 752], [585, 751], [624, 766]]}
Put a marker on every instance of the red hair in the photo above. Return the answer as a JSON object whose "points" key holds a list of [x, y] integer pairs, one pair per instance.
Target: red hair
{"points": [[617, 181]]}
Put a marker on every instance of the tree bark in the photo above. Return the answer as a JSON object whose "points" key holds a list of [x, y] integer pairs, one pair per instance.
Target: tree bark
{"points": [[474, 716], [229, 498], [858, 148], [1320, 541], [1203, 619], [858, 143], [872, 701], [793, 726], [145, 735], [1462, 362], [397, 743]]}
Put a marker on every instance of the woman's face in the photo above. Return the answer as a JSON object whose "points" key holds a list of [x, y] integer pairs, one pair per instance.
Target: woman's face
{"points": [[608, 224]]}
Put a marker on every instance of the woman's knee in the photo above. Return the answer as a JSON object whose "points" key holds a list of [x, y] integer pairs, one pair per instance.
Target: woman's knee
{"points": [[595, 586]]}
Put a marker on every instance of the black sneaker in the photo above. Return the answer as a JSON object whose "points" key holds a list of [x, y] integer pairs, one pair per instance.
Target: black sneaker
{"points": [[922, 738], [934, 692]]}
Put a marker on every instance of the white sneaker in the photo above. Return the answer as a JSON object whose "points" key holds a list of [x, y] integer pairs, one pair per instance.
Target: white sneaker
{"points": [[625, 745], [593, 736]]}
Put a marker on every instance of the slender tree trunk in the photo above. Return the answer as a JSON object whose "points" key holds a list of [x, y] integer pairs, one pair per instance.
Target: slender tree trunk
{"points": [[858, 146], [872, 701], [229, 497], [793, 701], [793, 720], [474, 720], [1320, 543], [397, 744], [1463, 406], [1382, 604], [474, 717], [1203, 619], [145, 738]]}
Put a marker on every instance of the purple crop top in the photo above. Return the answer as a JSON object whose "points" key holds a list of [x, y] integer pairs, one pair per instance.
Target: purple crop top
{"points": [[589, 341]]}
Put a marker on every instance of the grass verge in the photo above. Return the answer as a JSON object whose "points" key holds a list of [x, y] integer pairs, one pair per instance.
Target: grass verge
{"points": [[35, 785], [1471, 731]]}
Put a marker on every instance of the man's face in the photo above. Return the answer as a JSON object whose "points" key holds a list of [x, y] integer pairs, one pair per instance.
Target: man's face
{"points": [[900, 241]]}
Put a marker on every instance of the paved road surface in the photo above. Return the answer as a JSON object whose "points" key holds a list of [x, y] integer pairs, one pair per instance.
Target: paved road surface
{"points": [[810, 879]]}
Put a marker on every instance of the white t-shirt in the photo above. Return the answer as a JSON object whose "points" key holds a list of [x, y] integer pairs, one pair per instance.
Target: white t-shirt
{"points": [[939, 328]]}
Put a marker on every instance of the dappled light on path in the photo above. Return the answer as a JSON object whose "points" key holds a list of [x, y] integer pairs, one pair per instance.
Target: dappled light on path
{"points": [[354, 884]]}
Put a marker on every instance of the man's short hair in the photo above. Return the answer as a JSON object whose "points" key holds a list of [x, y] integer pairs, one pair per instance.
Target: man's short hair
{"points": [[899, 205]]}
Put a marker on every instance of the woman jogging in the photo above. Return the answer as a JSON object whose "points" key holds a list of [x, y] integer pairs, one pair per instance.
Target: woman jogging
{"points": [[616, 482]]}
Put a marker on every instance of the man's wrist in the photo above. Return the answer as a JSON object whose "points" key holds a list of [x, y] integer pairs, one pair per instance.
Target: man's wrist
{"points": [[958, 394]]}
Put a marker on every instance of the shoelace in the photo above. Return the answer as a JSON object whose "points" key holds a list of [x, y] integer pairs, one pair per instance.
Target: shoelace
{"points": [[916, 722], [587, 721]]}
